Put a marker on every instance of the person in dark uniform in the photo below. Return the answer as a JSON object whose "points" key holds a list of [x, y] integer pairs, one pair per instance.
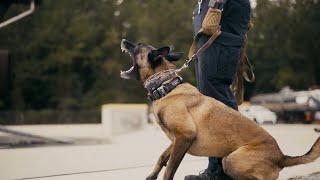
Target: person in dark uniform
{"points": [[216, 67]]}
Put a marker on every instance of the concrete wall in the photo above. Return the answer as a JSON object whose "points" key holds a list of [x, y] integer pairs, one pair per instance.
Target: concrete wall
{"points": [[119, 119]]}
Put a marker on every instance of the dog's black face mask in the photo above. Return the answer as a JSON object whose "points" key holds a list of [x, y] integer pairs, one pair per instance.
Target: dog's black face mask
{"points": [[145, 57]]}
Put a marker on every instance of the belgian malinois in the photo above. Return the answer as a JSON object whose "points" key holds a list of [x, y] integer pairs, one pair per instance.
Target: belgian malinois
{"points": [[202, 126]]}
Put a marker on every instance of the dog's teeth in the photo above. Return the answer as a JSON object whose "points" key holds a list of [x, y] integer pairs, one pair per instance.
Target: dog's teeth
{"points": [[124, 50]]}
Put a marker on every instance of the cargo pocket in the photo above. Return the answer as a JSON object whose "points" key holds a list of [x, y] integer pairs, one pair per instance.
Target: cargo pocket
{"points": [[228, 63]]}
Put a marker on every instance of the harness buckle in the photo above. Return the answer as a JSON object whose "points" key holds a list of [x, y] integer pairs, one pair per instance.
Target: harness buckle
{"points": [[199, 6], [156, 94], [161, 91]]}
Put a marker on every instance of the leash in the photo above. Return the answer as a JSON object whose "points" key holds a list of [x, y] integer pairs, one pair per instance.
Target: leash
{"points": [[210, 26], [155, 84], [200, 50]]}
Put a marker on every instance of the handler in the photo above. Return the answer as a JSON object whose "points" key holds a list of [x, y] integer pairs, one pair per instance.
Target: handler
{"points": [[216, 66]]}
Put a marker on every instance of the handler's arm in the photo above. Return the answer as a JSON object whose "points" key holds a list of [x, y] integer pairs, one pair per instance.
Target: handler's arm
{"points": [[211, 22]]}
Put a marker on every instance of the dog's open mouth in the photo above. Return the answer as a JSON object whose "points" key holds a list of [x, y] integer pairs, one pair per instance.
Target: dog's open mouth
{"points": [[127, 74]]}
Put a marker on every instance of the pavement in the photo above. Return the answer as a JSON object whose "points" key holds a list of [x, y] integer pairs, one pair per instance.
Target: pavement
{"points": [[129, 156]]}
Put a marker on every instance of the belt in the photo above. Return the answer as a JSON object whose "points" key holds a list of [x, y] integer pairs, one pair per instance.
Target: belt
{"points": [[230, 39]]}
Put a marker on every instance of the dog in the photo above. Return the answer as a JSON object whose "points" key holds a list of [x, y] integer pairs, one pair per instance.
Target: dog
{"points": [[202, 126]]}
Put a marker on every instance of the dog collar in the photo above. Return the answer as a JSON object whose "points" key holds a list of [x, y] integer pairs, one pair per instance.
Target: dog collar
{"points": [[162, 83]]}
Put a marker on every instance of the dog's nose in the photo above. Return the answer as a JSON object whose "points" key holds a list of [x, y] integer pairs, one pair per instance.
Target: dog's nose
{"points": [[123, 44]]}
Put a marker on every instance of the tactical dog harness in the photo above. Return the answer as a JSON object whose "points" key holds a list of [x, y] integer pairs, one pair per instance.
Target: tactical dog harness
{"points": [[162, 83]]}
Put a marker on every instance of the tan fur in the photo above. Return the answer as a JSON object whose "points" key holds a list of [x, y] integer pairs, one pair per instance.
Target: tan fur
{"points": [[249, 151], [145, 69], [202, 126]]}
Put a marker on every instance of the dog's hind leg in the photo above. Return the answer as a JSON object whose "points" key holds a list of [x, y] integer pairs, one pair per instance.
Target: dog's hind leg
{"points": [[247, 163], [163, 159]]}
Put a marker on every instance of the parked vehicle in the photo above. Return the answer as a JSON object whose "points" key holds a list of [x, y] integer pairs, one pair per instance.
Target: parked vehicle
{"points": [[291, 106], [259, 114], [317, 116]]}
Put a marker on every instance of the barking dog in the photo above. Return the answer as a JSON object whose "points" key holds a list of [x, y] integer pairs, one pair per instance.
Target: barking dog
{"points": [[202, 126]]}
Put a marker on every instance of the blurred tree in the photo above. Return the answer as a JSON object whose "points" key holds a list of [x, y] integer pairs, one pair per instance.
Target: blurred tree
{"points": [[283, 44], [67, 54]]}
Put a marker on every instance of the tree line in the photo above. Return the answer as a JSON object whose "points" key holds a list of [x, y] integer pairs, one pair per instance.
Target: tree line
{"points": [[67, 54]]}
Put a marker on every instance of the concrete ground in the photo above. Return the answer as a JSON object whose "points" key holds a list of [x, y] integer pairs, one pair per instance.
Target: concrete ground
{"points": [[129, 156]]}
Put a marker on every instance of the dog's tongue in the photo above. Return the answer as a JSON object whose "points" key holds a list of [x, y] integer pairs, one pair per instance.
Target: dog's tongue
{"points": [[125, 74]]}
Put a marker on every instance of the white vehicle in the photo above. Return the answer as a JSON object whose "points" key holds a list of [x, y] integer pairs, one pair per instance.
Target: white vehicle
{"points": [[259, 114]]}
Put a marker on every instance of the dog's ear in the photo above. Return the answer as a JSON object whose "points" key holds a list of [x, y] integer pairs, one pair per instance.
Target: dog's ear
{"points": [[174, 56], [156, 55], [164, 51]]}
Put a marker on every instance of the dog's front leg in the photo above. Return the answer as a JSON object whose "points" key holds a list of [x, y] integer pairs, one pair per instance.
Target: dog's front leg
{"points": [[180, 147], [163, 159]]}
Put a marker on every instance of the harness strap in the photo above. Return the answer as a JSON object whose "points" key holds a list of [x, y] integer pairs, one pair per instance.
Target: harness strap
{"points": [[244, 72], [164, 89], [247, 69]]}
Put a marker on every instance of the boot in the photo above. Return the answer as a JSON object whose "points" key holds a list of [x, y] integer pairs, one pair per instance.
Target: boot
{"points": [[207, 175]]}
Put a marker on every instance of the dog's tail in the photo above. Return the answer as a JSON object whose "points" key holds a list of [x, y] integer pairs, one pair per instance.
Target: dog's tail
{"points": [[310, 156]]}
